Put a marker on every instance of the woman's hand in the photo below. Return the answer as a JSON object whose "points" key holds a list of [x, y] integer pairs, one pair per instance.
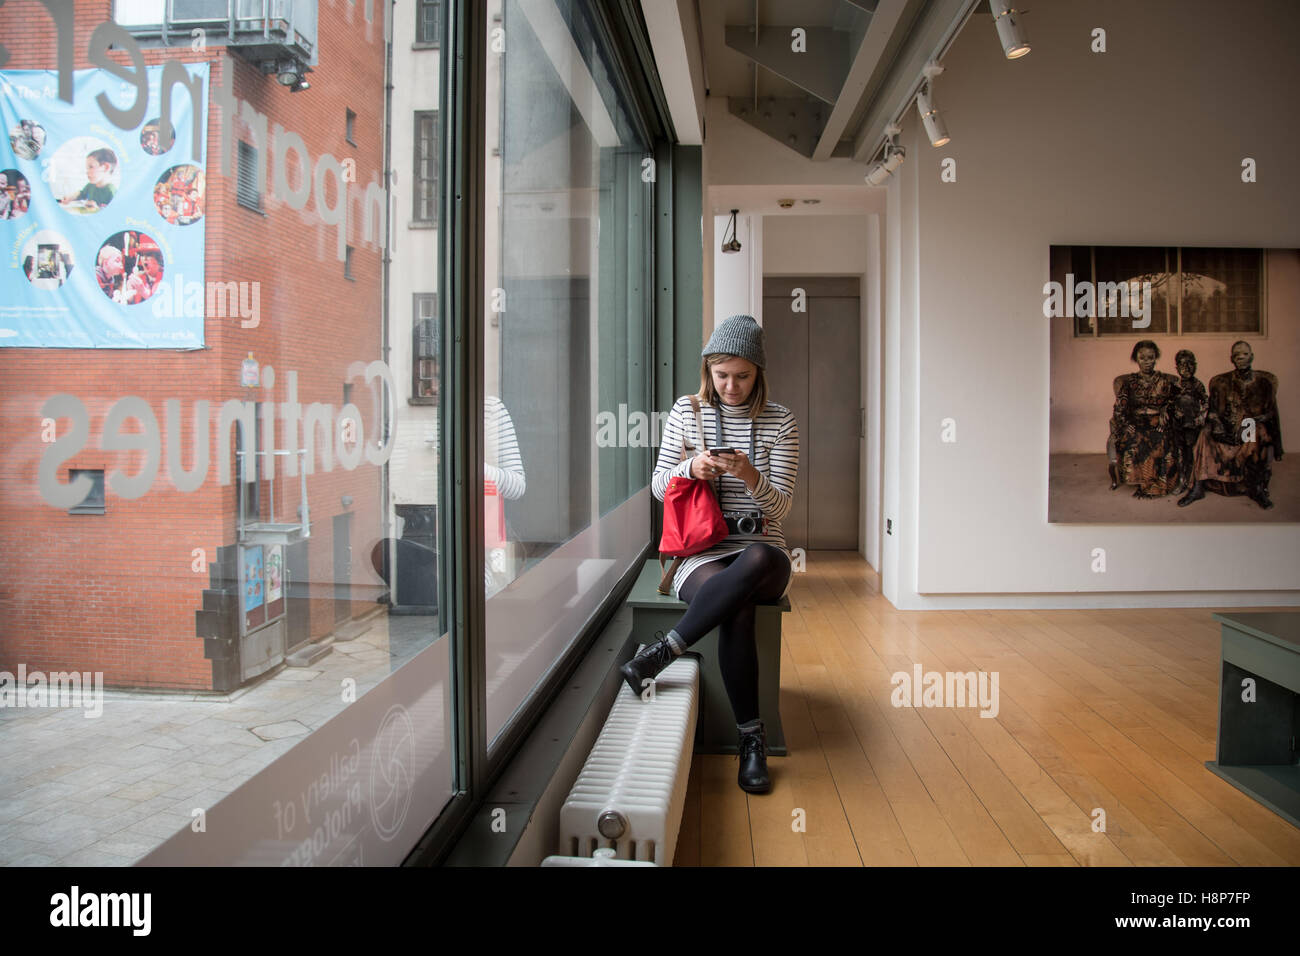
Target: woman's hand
{"points": [[705, 467], [737, 465]]}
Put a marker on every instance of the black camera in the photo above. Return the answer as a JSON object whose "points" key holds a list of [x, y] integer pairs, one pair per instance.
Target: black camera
{"points": [[744, 522]]}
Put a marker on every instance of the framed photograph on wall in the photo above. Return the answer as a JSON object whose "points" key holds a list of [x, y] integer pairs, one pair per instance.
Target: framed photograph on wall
{"points": [[1173, 376]]}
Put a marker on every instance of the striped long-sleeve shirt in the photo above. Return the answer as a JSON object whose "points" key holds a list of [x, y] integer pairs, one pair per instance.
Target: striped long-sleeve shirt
{"points": [[503, 463], [772, 443], [416, 459]]}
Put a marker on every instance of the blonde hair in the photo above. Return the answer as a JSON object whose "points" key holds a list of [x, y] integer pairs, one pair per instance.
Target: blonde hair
{"points": [[709, 395]]}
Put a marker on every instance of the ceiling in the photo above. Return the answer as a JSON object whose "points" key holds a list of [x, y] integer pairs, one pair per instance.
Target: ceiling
{"points": [[823, 77]]}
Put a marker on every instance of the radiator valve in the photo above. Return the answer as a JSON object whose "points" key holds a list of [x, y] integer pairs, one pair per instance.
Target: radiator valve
{"points": [[611, 824]]}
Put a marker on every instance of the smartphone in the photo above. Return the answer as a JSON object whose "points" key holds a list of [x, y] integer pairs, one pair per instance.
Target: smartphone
{"points": [[722, 451]]}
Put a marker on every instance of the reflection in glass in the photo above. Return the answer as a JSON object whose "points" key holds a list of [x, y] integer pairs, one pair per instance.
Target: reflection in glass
{"points": [[566, 339], [221, 508]]}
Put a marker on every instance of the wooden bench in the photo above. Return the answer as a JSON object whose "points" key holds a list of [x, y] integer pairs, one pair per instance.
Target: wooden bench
{"points": [[715, 730], [1256, 747]]}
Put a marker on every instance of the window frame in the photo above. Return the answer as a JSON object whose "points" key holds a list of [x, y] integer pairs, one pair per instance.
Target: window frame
{"points": [[419, 299], [255, 204], [96, 500], [481, 758], [419, 195], [1175, 312], [426, 39]]}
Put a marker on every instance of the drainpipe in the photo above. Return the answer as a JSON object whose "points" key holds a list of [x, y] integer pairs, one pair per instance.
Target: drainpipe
{"points": [[389, 401]]}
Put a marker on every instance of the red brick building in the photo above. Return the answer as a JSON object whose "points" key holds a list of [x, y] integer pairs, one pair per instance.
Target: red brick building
{"points": [[148, 591]]}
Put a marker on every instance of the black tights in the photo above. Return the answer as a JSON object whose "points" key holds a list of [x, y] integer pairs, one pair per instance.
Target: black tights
{"points": [[722, 594]]}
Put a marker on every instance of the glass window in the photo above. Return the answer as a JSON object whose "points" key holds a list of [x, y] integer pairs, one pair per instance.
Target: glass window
{"points": [[93, 503], [428, 28], [248, 192], [1222, 290], [568, 224], [425, 348], [1190, 290], [426, 165], [1119, 275], [257, 614]]}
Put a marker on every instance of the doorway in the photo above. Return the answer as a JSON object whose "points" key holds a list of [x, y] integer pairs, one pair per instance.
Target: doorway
{"points": [[812, 329]]}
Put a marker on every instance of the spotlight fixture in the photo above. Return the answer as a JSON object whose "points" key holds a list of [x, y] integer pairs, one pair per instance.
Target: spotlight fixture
{"points": [[300, 86], [287, 73], [734, 244], [1010, 33], [934, 127], [892, 159]]}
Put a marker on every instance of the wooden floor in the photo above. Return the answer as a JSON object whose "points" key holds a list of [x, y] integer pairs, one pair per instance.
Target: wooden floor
{"points": [[1104, 710]]}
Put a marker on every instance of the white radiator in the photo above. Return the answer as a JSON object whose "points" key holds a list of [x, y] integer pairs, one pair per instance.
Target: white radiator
{"points": [[630, 793], [603, 857]]}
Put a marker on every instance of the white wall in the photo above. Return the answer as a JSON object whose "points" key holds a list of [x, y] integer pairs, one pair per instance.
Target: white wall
{"points": [[740, 154], [1141, 145], [744, 168], [842, 245], [814, 245], [737, 275], [413, 474]]}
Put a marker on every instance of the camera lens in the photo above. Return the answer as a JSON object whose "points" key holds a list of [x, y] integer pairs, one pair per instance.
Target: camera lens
{"points": [[746, 525]]}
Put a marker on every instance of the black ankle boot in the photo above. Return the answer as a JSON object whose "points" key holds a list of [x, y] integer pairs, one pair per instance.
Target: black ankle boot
{"points": [[1259, 495], [753, 776], [1196, 494], [647, 664]]}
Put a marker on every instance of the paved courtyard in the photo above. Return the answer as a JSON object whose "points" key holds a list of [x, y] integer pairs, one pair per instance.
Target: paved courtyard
{"points": [[107, 790]]}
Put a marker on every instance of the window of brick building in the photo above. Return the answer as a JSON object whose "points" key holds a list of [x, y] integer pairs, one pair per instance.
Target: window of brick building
{"points": [[428, 21], [93, 503], [426, 166], [424, 351], [247, 193]]}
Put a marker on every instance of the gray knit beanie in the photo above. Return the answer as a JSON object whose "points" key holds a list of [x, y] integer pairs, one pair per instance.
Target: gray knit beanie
{"points": [[739, 335]]}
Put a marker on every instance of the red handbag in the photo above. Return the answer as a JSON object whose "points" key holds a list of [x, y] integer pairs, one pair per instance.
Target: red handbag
{"points": [[494, 516], [693, 519]]}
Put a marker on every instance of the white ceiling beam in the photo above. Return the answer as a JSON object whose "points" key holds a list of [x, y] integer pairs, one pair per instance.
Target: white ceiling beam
{"points": [[883, 23], [929, 39], [553, 34], [679, 57]]}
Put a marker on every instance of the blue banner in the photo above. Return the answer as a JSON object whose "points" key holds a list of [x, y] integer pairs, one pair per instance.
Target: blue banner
{"points": [[100, 227]]}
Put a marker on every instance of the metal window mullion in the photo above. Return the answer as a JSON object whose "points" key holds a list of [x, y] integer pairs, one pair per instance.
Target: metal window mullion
{"points": [[460, 525], [1178, 268], [1092, 277], [463, 261]]}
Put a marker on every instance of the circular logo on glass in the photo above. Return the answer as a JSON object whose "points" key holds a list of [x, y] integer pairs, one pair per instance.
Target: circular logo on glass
{"points": [[390, 772]]}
